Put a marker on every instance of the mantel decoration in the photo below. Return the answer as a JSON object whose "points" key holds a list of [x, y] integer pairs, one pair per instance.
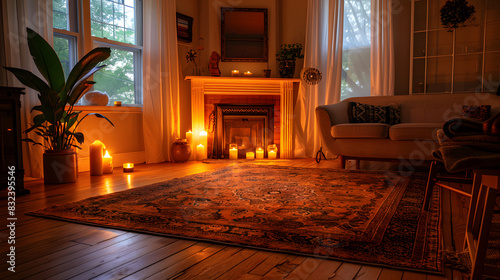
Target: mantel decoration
{"points": [[311, 76], [57, 122], [191, 57], [455, 13], [286, 56]]}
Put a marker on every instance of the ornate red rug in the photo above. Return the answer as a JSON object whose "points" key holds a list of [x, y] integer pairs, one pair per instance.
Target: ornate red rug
{"points": [[359, 216]]}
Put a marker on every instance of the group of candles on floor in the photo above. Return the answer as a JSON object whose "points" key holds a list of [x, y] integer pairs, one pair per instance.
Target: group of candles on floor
{"points": [[201, 149], [102, 163]]}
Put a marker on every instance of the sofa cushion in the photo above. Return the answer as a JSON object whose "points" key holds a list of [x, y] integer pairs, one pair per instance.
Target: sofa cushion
{"points": [[366, 113], [360, 130], [414, 131]]}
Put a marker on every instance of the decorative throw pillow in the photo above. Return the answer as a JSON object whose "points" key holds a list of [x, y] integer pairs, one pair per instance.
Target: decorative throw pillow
{"points": [[480, 112], [365, 113]]}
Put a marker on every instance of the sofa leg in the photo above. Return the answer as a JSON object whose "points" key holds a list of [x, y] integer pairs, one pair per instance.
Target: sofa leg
{"points": [[342, 161]]}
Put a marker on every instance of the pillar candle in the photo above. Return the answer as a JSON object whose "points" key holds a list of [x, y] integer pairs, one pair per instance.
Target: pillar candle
{"points": [[259, 153], [233, 153], [271, 155], [200, 152], [203, 141], [247, 74], [235, 73], [107, 163], [95, 157], [250, 155]]}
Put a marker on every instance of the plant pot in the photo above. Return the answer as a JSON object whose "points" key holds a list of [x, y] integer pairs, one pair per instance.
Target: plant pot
{"points": [[181, 150], [59, 166], [287, 68]]}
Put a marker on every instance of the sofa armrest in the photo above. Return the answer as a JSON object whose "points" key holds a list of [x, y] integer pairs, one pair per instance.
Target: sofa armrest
{"points": [[324, 123]]}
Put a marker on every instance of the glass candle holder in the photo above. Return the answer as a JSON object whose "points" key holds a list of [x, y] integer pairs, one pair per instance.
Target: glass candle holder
{"points": [[272, 151], [259, 153]]}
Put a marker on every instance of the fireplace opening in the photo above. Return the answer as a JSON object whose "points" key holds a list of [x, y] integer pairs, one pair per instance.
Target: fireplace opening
{"points": [[248, 126]]}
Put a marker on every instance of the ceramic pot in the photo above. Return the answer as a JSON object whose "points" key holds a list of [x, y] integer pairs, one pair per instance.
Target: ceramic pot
{"points": [[59, 166], [181, 150], [287, 68]]}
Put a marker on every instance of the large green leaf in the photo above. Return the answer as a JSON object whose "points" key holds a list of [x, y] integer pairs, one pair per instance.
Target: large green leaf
{"points": [[86, 64], [46, 60], [78, 91], [28, 79]]}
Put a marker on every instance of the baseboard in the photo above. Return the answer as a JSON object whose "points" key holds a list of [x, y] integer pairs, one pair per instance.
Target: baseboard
{"points": [[118, 160]]}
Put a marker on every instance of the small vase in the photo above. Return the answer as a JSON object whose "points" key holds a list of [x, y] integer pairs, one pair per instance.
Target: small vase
{"points": [[181, 150], [287, 68], [59, 166]]}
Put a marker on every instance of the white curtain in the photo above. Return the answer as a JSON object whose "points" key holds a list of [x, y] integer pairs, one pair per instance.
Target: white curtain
{"points": [[382, 49], [322, 50], [161, 82], [16, 16]]}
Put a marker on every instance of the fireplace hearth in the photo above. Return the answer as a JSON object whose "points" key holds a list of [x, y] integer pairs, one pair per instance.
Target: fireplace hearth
{"points": [[248, 126]]}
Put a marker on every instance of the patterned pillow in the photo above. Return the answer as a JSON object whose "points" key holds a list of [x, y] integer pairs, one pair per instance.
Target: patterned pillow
{"points": [[365, 113], [480, 112]]}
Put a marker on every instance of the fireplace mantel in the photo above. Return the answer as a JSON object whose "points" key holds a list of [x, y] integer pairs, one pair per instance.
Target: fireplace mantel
{"points": [[201, 85]]}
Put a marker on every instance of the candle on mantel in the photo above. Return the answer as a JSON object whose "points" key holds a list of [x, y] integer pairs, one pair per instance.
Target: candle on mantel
{"points": [[128, 167], [259, 153], [107, 163], [235, 73], [203, 141], [247, 74], [95, 157], [233, 152], [200, 152], [250, 155]]}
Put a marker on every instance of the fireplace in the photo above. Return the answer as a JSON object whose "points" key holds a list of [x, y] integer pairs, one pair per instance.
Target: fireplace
{"points": [[248, 126]]}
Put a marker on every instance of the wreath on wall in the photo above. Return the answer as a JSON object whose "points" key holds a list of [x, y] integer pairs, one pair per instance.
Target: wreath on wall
{"points": [[455, 13]]}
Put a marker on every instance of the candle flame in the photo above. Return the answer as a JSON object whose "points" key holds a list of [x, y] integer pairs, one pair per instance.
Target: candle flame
{"points": [[107, 155]]}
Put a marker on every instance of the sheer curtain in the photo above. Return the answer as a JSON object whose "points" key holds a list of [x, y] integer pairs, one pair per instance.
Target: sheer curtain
{"points": [[161, 82], [322, 50], [16, 16], [382, 50]]}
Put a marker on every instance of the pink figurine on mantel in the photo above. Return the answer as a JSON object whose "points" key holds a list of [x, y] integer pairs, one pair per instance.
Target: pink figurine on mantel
{"points": [[213, 64]]}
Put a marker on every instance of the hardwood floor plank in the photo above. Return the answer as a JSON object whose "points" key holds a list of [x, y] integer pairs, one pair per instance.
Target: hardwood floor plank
{"points": [[305, 269], [346, 271], [410, 275], [268, 264], [245, 266], [284, 268], [390, 274], [368, 273], [325, 270]]}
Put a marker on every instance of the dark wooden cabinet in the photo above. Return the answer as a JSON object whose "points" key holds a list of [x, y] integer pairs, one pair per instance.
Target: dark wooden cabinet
{"points": [[10, 138]]}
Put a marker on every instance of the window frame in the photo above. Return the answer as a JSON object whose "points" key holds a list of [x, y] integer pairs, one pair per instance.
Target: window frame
{"points": [[80, 35]]}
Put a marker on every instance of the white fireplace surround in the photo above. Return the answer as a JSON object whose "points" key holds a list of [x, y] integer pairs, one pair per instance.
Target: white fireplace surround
{"points": [[201, 85]]}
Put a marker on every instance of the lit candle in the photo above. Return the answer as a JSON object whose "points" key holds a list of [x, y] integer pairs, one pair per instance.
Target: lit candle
{"points": [[107, 163], [259, 154], [271, 155], [247, 74], [250, 155], [233, 153], [118, 103], [95, 157], [203, 141], [128, 167], [235, 73], [200, 152]]}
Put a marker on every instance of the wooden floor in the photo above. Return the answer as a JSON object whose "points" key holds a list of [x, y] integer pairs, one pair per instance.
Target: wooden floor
{"points": [[49, 249]]}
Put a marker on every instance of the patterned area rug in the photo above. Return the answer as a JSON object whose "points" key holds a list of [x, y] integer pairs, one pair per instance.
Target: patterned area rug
{"points": [[366, 217]]}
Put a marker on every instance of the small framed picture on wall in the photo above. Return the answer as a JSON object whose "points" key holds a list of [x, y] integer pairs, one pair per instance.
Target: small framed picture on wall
{"points": [[184, 28]]}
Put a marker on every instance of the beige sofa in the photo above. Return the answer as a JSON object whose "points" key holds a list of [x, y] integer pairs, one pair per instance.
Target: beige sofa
{"points": [[411, 141]]}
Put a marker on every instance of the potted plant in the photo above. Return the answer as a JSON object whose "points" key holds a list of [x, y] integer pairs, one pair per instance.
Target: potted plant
{"points": [[455, 13], [57, 121], [286, 56]]}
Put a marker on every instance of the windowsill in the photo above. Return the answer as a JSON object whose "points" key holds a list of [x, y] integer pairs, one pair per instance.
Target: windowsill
{"points": [[123, 108]]}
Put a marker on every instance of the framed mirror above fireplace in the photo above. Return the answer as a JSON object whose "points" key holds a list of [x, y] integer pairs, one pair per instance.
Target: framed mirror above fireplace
{"points": [[244, 34]]}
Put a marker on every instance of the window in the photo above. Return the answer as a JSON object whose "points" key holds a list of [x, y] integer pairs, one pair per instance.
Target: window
{"points": [[356, 49], [116, 24]]}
